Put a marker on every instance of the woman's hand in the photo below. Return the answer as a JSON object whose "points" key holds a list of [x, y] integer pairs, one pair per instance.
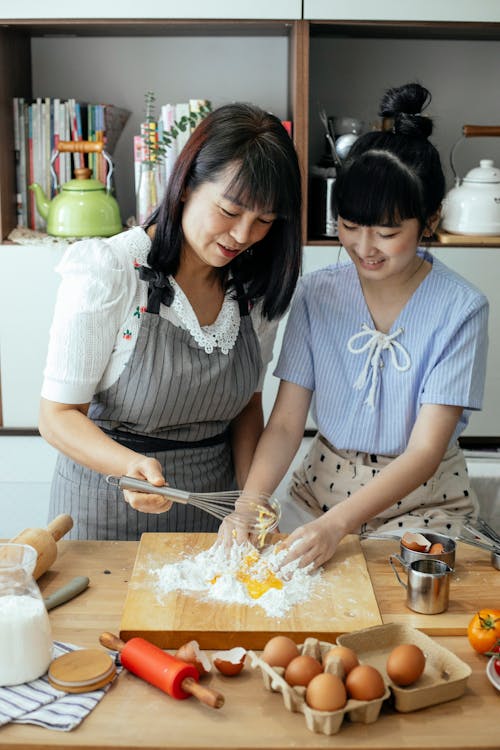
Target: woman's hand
{"points": [[150, 470], [315, 542]]}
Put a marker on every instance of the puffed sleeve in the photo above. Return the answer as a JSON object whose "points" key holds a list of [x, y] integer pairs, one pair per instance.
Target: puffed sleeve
{"points": [[91, 302]]}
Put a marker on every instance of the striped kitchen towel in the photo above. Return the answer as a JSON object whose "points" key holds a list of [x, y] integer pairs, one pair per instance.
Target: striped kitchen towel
{"points": [[37, 702]]}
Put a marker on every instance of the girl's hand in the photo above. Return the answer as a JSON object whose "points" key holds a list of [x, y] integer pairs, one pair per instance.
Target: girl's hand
{"points": [[315, 542], [239, 526], [150, 470]]}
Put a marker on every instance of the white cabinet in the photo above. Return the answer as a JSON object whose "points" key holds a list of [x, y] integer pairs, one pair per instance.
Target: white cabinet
{"points": [[28, 286], [397, 10], [216, 9]]}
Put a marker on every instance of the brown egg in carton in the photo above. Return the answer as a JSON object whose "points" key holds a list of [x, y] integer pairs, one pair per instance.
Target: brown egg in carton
{"points": [[322, 722]]}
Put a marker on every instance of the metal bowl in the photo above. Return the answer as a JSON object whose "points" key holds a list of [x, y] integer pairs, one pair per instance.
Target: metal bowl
{"points": [[449, 544]]}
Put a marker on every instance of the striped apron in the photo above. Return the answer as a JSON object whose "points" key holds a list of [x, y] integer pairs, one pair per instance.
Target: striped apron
{"points": [[174, 402]]}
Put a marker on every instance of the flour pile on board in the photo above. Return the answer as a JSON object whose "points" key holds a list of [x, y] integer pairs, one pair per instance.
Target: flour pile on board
{"points": [[241, 575]]}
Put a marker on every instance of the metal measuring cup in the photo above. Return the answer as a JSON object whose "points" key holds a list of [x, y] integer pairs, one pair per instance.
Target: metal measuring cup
{"points": [[428, 584]]}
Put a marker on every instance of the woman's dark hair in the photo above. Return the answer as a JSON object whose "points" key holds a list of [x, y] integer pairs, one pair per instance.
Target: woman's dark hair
{"points": [[395, 174], [267, 179]]}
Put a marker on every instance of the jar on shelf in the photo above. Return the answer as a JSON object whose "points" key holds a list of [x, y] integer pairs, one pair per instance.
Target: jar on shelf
{"points": [[149, 190], [25, 632]]}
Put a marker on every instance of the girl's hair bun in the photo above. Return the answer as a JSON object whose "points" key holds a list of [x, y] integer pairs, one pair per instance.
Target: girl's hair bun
{"points": [[404, 105]]}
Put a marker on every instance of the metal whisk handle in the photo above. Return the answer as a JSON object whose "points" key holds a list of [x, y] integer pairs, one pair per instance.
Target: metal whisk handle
{"points": [[129, 483]]}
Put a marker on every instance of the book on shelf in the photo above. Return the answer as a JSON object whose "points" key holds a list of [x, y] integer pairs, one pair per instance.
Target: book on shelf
{"points": [[39, 126]]}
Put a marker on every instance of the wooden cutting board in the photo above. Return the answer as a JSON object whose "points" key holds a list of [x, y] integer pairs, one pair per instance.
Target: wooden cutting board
{"points": [[343, 602]]}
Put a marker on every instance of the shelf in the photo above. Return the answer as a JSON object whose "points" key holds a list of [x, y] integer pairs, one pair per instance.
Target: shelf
{"points": [[464, 242], [64, 58], [406, 30]]}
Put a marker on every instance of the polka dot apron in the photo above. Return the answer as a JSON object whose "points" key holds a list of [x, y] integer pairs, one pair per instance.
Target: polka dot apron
{"points": [[328, 476]]}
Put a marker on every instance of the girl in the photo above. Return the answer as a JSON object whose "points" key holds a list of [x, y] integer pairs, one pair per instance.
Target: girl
{"points": [[161, 335], [391, 347]]}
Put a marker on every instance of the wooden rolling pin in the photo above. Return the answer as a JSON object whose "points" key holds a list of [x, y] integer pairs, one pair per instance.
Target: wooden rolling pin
{"points": [[44, 541], [172, 675]]}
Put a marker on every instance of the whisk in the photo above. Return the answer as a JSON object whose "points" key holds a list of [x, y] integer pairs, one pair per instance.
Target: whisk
{"points": [[258, 513]]}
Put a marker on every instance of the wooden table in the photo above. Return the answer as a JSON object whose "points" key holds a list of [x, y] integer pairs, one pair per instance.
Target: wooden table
{"points": [[134, 714]]}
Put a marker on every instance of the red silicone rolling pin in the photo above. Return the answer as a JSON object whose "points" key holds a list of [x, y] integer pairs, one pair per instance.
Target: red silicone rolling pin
{"points": [[164, 671]]}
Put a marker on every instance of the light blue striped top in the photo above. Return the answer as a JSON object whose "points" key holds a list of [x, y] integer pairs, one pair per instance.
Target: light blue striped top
{"points": [[369, 400]]}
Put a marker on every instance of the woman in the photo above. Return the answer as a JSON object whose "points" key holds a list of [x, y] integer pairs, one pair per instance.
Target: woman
{"points": [[161, 335], [392, 345]]}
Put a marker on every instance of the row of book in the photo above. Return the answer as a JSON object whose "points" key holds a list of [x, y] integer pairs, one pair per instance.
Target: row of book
{"points": [[39, 125]]}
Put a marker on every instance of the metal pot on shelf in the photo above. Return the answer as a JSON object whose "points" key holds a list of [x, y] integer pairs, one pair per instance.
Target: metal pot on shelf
{"points": [[473, 205]]}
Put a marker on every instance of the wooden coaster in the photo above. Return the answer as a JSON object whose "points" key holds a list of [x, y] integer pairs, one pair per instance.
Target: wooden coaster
{"points": [[82, 670]]}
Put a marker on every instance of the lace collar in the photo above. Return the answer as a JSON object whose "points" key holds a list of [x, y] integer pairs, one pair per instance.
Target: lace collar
{"points": [[221, 334]]}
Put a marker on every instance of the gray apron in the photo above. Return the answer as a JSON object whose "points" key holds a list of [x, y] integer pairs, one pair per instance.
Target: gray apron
{"points": [[174, 402]]}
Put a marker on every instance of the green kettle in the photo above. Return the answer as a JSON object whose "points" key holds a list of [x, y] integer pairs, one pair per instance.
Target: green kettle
{"points": [[83, 207]]}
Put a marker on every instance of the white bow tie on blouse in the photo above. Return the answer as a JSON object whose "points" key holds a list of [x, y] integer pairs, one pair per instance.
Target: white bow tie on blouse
{"points": [[375, 344]]}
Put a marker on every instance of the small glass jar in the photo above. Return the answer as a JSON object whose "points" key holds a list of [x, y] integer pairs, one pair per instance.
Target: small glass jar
{"points": [[25, 633], [149, 190]]}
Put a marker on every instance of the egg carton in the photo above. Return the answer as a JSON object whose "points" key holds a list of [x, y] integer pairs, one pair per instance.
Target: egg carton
{"points": [[322, 722], [445, 675]]}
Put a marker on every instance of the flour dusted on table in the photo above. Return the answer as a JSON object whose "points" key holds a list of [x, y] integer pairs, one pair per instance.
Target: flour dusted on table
{"points": [[241, 575]]}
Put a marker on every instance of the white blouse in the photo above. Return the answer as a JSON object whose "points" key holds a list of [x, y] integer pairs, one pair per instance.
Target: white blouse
{"points": [[97, 317]]}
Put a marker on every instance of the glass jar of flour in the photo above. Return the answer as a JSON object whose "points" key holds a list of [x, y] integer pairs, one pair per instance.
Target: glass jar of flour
{"points": [[25, 633]]}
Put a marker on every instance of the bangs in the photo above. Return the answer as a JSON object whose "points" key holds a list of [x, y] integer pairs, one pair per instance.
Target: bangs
{"points": [[260, 185], [378, 190]]}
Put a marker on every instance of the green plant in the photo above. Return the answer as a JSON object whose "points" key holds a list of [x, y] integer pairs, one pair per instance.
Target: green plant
{"points": [[156, 145]]}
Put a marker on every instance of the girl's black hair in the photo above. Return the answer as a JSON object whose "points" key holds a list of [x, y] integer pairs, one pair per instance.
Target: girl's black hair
{"points": [[267, 179], [395, 174]]}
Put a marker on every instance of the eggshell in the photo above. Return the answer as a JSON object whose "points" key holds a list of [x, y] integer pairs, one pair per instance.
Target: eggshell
{"points": [[229, 663], [365, 683], [415, 542], [405, 664], [302, 669], [326, 692], [192, 654], [279, 651], [346, 655]]}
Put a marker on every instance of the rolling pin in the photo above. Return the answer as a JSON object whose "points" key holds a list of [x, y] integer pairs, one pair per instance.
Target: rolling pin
{"points": [[164, 671], [44, 541]]}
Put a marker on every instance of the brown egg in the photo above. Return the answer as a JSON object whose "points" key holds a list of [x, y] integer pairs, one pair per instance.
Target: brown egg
{"points": [[415, 542], [364, 683], [302, 669], [326, 692], [279, 651], [405, 664], [346, 655]]}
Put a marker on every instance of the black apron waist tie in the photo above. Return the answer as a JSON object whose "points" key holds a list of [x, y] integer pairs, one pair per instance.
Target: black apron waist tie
{"points": [[151, 444]]}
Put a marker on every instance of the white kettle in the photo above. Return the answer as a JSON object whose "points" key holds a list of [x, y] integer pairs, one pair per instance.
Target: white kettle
{"points": [[473, 205]]}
